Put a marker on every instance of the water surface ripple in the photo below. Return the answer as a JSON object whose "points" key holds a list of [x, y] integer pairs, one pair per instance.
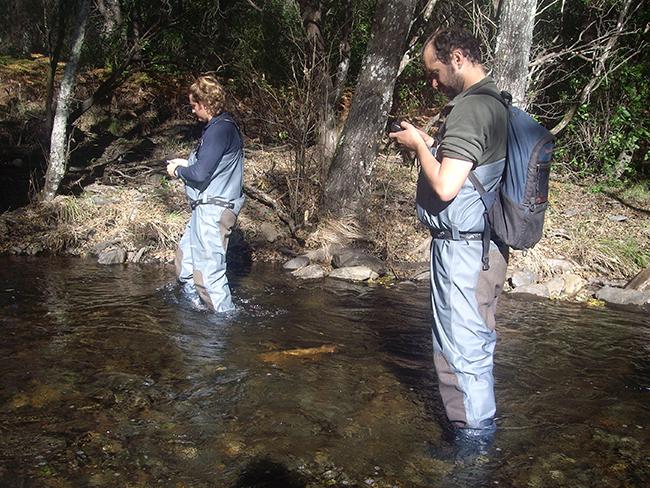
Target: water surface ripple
{"points": [[110, 379]]}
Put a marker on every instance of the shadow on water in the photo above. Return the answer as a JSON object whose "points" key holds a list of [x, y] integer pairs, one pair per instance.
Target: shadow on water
{"points": [[107, 378], [264, 473]]}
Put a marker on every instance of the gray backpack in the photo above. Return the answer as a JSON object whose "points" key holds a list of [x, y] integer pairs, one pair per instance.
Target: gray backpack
{"points": [[514, 210]]}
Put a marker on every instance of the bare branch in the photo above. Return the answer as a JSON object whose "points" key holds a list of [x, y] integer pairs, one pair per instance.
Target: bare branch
{"points": [[599, 70]]}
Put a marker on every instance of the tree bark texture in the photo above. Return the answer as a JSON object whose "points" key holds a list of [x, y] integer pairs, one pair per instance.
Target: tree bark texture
{"points": [[57, 165], [55, 45], [353, 161], [512, 51], [319, 69]]}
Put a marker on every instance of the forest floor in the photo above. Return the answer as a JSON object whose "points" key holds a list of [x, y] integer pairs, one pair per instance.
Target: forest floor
{"points": [[116, 192]]}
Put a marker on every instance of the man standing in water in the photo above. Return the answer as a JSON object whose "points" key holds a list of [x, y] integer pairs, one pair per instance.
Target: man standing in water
{"points": [[214, 178], [472, 137]]}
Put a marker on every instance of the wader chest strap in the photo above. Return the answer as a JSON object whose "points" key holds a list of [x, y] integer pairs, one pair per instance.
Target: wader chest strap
{"points": [[212, 201], [462, 236]]}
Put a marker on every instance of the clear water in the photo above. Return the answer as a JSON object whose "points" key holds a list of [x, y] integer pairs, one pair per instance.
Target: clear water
{"points": [[108, 380]]}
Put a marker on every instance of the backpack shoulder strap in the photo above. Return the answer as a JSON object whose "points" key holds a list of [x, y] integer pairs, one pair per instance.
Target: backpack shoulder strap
{"points": [[504, 97]]}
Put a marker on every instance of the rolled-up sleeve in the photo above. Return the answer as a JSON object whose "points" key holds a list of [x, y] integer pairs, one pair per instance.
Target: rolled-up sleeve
{"points": [[465, 136]]}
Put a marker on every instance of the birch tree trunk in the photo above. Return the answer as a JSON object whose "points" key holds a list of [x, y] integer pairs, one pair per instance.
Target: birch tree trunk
{"points": [[55, 45], [359, 143], [57, 165], [512, 51]]}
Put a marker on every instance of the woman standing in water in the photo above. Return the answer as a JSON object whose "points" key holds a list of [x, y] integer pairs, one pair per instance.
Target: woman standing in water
{"points": [[213, 176]]}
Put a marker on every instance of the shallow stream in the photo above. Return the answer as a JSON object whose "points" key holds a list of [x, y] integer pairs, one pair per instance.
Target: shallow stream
{"points": [[109, 380]]}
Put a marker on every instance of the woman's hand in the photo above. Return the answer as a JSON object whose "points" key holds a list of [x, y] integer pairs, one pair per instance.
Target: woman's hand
{"points": [[172, 164]]}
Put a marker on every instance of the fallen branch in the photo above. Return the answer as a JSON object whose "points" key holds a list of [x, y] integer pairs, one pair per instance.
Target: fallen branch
{"points": [[269, 201]]}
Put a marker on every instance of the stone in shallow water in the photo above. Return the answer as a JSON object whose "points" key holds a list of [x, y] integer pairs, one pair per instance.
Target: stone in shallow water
{"points": [[537, 289], [358, 257], [112, 256], [296, 263], [313, 271], [622, 296], [354, 273]]}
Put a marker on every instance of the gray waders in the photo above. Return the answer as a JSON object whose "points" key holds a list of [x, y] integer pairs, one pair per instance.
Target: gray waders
{"points": [[463, 298], [201, 255]]}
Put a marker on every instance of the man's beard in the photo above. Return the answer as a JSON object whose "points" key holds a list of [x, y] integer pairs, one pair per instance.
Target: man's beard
{"points": [[455, 85]]}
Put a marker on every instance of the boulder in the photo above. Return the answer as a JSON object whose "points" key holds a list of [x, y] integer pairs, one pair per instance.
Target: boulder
{"points": [[537, 289], [622, 296], [354, 273], [522, 277], [357, 257], [296, 263], [311, 272], [112, 256], [641, 281], [269, 232]]}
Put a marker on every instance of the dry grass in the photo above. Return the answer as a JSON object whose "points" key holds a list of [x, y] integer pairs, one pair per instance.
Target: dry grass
{"points": [[600, 234], [127, 217]]}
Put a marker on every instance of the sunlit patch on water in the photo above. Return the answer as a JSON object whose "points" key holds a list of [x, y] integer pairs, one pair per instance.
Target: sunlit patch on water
{"points": [[109, 378]]}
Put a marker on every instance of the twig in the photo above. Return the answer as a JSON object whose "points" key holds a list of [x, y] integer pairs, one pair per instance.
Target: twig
{"points": [[266, 199]]}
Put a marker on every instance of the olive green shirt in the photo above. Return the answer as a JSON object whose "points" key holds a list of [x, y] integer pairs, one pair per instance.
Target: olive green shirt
{"points": [[475, 128]]}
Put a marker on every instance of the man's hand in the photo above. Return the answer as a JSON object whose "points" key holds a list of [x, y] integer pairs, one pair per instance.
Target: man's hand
{"points": [[172, 164], [411, 137]]}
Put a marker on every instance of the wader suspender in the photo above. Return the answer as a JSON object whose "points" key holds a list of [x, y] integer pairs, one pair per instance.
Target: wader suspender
{"points": [[216, 200], [488, 200]]}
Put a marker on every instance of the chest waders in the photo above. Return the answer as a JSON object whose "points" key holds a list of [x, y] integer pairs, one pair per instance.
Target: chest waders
{"points": [[463, 299], [201, 255]]}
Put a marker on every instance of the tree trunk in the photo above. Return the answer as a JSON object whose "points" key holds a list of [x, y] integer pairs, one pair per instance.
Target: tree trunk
{"points": [[512, 51], [354, 159], [319, 69], [55, 45], [57, 165]]}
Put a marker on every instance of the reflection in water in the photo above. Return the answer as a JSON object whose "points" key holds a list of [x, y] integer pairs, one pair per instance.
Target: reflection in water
{"points": [[108, 379]]}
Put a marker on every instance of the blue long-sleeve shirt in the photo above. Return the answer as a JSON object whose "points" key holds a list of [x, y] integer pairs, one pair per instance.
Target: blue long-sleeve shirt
{"points": [[219, 137]]}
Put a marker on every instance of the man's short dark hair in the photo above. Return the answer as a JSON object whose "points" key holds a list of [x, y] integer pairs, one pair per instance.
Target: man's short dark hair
{"points": [[446, 40]]}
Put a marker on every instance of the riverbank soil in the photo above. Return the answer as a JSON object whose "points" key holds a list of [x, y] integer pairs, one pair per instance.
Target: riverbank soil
{"points": [[117, 197]]}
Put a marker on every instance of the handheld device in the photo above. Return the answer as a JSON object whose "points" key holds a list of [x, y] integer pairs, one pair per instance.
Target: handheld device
{"points": [[394, 126]]}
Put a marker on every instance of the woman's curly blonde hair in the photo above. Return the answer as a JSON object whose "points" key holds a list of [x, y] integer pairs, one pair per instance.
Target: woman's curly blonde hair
{"points": [[208, 91]]}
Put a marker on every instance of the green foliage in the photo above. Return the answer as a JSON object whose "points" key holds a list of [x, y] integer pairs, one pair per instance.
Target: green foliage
{"points": [[610, 135]]}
